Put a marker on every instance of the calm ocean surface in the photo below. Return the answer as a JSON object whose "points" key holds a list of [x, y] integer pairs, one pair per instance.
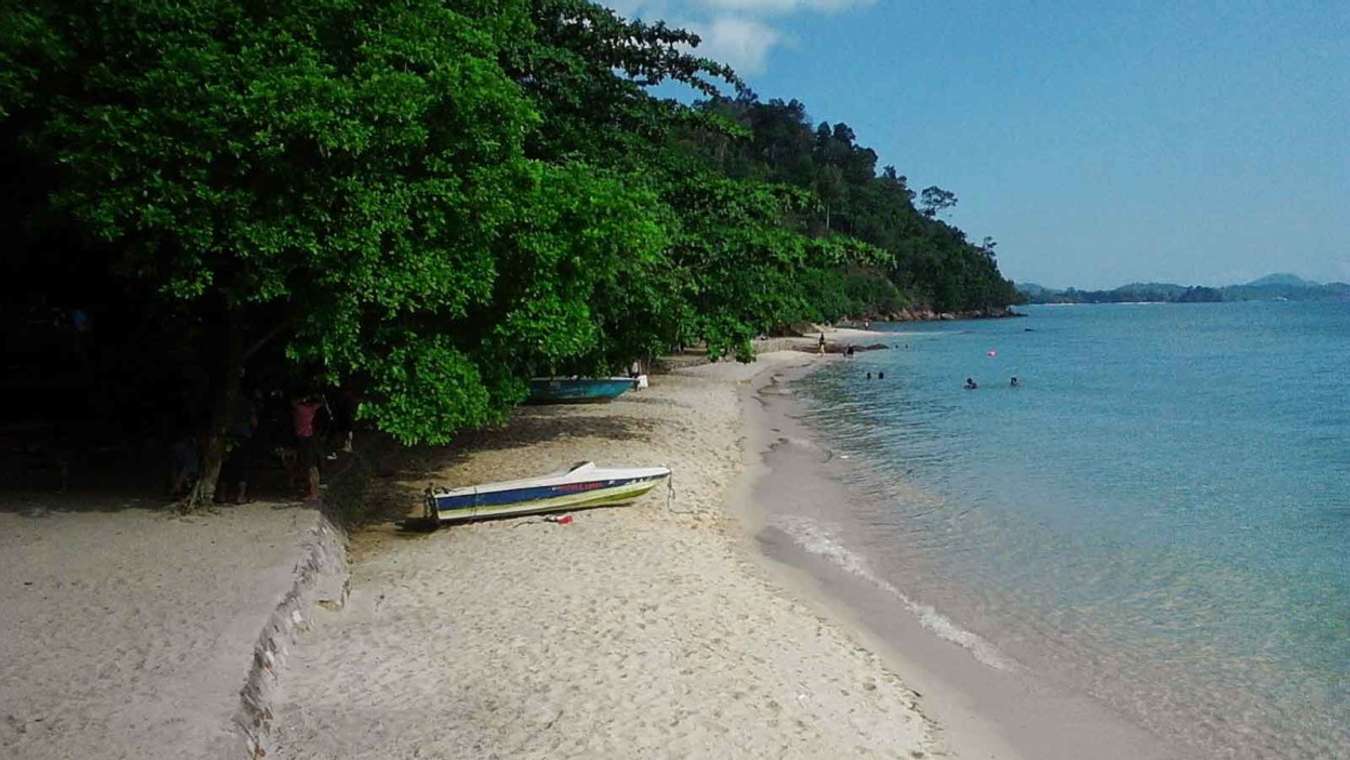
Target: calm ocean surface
{"points": [[1159, 516]]}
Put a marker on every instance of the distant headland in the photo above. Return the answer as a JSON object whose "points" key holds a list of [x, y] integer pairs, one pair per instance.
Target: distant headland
{"points": [[1273, 287]]}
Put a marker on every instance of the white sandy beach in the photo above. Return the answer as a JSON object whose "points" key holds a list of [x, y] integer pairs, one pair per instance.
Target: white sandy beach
{"points": [[642, 631], [129, 632], [639, 631]]}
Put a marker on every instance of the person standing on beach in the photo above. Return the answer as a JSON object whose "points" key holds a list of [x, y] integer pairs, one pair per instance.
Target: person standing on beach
{"points": [[821, 344], [344, 417], [184, 464], [303, 412], [238, 462]]}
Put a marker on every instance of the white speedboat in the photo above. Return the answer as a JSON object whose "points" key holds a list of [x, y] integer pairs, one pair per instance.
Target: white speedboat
{"points": [[581, 486]]}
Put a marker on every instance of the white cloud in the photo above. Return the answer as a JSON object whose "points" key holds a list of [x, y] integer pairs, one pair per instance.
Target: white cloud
{"points": [[649, 9], [664, 8], [744, 44], [730, 30], [784, 6]]}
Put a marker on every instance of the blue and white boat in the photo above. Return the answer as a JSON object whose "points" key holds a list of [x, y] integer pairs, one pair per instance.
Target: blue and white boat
{"points": [[581, 486], [578, 390]]}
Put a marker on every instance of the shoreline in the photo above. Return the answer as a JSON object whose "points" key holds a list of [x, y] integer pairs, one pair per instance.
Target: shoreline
{"points": [[693, 627], [703, 614], [989, 706]]}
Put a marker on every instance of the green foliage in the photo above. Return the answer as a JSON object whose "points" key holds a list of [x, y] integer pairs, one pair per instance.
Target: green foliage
{"points": [[587, 71], [934, 200], [438, 199], [28, 47], [740, 257], [426, 387], [930, 260], [355, 172], [341, 168], [582, 237], [871, 293]]}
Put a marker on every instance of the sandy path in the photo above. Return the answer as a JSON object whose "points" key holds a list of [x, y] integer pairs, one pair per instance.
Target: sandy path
{"points": [[129, 633], [634, 632]]}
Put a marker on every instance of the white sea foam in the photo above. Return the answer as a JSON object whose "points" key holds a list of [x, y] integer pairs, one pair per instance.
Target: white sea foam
{"points": [[820, 540], [804, 444]]}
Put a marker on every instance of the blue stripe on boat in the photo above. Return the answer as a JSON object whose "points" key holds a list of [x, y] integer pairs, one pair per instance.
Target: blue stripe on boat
{"points": [[447, 503]]}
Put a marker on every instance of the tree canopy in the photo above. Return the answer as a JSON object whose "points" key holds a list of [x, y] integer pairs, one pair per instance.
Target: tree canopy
{"points": [[437, 199]]}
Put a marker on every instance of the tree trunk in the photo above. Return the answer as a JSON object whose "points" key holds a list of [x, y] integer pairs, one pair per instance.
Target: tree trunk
{"points": [[226, 398]]}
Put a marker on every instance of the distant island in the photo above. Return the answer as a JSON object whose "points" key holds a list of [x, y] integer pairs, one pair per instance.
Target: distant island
{"points": [[1274, 287]]}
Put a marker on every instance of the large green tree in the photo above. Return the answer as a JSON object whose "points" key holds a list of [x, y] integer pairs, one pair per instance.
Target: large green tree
{"points": [[441, 198], [349, 178]]}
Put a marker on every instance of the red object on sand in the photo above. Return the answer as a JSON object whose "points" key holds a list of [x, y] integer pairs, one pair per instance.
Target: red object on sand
{"points": [[565, 520]]}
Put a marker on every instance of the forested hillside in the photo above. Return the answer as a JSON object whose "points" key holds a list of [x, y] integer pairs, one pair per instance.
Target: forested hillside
{"points": [[427, 200], [929, 261]]}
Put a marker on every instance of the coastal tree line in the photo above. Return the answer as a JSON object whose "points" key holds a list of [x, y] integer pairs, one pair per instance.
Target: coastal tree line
{"points": [[1276, 287], [433, 200]]}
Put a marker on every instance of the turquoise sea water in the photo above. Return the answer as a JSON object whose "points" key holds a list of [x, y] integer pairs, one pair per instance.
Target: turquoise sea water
{"points": [[1159, 516]]}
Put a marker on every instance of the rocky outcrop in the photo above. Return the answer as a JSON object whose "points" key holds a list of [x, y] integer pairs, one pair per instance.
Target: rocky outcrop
{"points": [[925, 314], [837, 348]]}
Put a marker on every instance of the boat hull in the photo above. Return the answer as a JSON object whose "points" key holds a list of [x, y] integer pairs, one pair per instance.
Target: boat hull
{"points": [[447, 508], [578, 391]]}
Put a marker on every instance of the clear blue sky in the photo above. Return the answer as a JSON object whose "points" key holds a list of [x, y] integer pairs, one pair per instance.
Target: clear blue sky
{"points": [[1099, 143]]}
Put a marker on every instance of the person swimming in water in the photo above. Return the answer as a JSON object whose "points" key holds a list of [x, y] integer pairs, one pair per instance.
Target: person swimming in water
{"points": [[970, 384], [881, 375], [1014, 382]]}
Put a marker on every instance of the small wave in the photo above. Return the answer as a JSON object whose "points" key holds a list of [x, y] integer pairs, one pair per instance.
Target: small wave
{"points": [[805, 443], [819, 540], [801, 443]]}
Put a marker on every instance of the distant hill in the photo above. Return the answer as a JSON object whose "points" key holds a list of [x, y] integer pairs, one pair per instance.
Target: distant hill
{"points": [[1274, 287], [1149, 291], [1283, 279]]}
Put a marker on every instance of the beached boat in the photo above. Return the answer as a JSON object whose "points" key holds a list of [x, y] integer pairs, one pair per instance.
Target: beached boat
{"points": [[578, 390], [581, 486]]}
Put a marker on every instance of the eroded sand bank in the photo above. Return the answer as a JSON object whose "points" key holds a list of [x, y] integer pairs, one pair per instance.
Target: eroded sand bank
{"points": [[129, 632]]}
